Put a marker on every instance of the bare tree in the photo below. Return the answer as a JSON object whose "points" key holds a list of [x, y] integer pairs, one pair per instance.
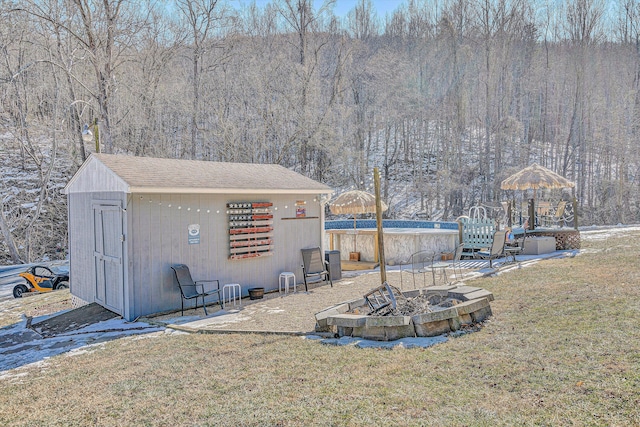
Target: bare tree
{"points": [[20, 76], [583, 26], [104, 29], [300, 17], [207, 21]]}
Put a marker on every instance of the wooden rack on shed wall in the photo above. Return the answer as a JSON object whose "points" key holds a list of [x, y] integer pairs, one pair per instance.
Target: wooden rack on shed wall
{"points": [[250, 229]]}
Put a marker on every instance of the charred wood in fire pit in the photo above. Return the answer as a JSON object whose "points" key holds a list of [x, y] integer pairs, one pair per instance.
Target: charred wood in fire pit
{"points": [[384, 303], [384, 299]]}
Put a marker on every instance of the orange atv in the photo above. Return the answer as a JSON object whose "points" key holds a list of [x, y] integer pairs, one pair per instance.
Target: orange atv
{"points": [[41, 279]]}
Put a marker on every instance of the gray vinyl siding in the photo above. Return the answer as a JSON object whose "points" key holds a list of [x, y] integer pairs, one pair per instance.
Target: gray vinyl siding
{"points": [[81, 241], [93, 177], [158, 239], [156, 235]]}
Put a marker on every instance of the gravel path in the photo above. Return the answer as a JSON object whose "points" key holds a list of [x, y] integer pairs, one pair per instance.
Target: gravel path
{"points": [[277, 313]]}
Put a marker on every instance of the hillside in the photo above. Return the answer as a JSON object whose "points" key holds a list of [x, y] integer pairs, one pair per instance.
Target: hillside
{"points": [[36, 214], [34, 211]]}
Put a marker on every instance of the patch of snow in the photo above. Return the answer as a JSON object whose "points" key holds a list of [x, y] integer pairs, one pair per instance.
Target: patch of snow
{"points": [[156, 334], [603, 233], [219, 319], [23, 347], [403, 343]]}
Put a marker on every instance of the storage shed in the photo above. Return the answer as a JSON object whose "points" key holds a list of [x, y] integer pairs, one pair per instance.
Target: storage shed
{"points": [[132, 218]]}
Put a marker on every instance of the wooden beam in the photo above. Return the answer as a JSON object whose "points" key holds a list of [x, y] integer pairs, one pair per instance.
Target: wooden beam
{"points": [[383, 270]]}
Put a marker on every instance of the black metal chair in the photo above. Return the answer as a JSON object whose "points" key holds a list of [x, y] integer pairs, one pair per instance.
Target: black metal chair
{"points": [[190, 289], [314, 267]]}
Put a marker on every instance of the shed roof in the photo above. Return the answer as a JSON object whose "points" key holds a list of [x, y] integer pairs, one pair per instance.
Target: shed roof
{"points": [[129, 174]]}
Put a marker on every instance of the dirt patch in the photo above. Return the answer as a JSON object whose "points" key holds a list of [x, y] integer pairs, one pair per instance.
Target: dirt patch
{"points": [[49, 308]]}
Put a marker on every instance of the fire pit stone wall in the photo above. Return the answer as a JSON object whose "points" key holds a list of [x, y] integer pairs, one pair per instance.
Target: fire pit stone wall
{"points": [[468, 305]]}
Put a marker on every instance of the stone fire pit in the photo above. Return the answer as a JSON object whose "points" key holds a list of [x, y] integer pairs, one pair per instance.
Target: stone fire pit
{"points": [[387, 314]]}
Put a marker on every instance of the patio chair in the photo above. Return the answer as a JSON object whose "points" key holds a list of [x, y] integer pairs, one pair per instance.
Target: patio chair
{"points": [[190, 289], [558, 216], [497, 248], [314, 267], [456, 264], [439, 267], [418, 263], [510, 251]]}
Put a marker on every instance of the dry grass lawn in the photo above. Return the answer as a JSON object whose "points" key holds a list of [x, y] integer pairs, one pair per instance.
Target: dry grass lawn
{"points": [[34, 305], [563, 348]]}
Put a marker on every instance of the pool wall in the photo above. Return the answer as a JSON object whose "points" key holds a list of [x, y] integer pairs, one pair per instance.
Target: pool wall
{"points": [[401, 238], [345, 224]]}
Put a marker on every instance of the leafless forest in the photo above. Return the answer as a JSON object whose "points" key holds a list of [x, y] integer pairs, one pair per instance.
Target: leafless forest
{"points": [[446, 97]]}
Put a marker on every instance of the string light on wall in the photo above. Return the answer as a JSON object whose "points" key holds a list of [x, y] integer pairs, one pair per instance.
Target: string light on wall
{"points": [[320, 198]]}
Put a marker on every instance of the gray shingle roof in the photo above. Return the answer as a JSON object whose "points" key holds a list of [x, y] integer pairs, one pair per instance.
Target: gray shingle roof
{"points": [[154, 174]]}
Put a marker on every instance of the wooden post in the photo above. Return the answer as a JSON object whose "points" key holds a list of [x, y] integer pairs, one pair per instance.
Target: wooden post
{"points": [[96, 134], [383, 270], [532, 214], [574, 202]]}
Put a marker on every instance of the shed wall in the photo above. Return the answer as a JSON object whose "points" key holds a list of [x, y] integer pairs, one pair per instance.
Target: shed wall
{"points": [[81, 241], [158, 238], [93, 177]]}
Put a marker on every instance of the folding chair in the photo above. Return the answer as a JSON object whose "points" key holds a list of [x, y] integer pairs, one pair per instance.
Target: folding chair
{"points": [[497, 248], [314, 267]]}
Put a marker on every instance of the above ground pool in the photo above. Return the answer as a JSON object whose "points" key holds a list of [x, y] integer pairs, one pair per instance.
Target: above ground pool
{"points": [[401, 238]]}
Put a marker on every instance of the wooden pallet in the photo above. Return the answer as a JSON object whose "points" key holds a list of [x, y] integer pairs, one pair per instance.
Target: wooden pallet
{"points": [[250, 230]]}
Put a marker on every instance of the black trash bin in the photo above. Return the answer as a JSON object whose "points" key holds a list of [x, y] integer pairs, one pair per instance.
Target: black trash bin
{"points": [[335, 268]]}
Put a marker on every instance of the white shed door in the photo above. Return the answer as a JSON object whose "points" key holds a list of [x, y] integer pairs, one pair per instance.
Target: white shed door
{"points": [[108, 256]]}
